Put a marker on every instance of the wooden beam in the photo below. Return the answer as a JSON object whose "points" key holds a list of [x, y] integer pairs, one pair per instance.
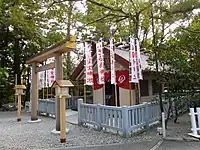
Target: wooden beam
{"points": [[59, 48], [45, 67]]}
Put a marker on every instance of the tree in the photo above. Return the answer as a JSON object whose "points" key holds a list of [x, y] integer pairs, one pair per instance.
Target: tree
{"points": [[27, 27]]}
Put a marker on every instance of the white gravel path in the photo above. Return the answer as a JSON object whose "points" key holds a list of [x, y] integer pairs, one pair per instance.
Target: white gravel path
{"points": [[21, 136]]}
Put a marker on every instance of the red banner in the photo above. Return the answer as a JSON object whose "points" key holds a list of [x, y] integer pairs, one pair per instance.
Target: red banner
{"points": [[122, 79]]}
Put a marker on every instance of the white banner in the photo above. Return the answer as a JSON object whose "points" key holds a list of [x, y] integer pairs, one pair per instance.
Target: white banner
{"points": [[49, 74], [133, 62], [139, 60], [112, 61], [41, 79], [88, 65], [100, 62]]}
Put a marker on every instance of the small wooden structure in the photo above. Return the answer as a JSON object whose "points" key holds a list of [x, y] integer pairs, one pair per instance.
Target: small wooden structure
{"points": [[62, 91], [53, 51], [19, 90]]}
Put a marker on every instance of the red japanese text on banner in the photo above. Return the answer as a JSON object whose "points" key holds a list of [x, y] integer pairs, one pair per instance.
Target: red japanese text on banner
{"points": [[138, 60], [133, 62], [112, 61], [50, 73], [100, 62], [88, 65]]}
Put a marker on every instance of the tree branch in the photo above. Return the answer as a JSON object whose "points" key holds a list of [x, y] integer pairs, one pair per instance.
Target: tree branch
{"points": [[103, 18], [107, 7]]}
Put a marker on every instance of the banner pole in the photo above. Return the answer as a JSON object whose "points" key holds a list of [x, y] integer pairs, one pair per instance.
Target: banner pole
{"points": [[104, 92], [130, 84], [47, 92], [137, 84], [43, 92], [84, 86], [115, 94], [51, 93], [84, 92]]}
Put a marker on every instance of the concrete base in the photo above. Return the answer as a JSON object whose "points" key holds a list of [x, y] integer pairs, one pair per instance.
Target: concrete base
{"points": [[58, 132], [196, 136], [34, 121]]}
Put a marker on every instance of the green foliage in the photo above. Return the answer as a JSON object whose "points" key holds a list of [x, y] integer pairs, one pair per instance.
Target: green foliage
{"points": [[26, 28]]}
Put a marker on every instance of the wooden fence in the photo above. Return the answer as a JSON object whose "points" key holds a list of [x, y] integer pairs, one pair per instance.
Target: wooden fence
{"points": [[127, 119], [47, 106]]}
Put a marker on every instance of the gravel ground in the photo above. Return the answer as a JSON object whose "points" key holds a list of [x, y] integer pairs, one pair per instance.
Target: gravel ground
{"points": [[180, 129], [20, 136], [179, 145]]}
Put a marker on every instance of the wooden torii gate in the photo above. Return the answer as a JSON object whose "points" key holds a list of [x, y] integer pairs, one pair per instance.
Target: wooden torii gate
{"points": [[53, 51]]}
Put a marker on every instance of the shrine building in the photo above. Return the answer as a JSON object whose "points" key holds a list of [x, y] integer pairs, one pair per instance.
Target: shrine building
{"points": [[105, 94]]}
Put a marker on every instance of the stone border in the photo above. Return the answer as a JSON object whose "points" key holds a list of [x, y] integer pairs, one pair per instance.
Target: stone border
{"points": [[54, 131], [34, 121]]}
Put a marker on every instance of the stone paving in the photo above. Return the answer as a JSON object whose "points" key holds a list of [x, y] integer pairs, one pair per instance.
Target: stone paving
{"points": [[23, 135]]}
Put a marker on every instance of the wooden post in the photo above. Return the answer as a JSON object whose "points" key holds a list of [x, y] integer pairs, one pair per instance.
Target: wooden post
{"points": [[85, 93], [15, 84], [59, 76], [34, 93], [137, 93], [115, 94], [19, 117], [130, 99], [104, 94], [47, 92], [43, 92], [62, 121]]}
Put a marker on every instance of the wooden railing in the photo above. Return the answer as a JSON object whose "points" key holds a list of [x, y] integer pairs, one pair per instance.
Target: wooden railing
{"points": [[127, 119]]}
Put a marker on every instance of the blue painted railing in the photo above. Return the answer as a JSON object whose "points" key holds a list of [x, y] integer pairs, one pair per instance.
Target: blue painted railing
{"points": [[126, 119], [47, 106]]}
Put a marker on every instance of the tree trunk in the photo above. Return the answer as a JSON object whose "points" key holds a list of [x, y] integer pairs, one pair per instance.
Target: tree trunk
{"points": [[68, 38], [27, 97], [17, 61]]}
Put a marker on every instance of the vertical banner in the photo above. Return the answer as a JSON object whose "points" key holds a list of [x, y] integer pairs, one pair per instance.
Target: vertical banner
{"points": [[112, 61], [133, 62], [50, 74], [100, 62], [41, 79], [88, 65], [138, 60], [47, 78]]}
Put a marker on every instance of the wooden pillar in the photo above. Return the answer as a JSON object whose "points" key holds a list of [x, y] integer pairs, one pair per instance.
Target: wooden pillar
{"points": [[59, 76], [19, 116], [62, 121], [34, 93]]}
